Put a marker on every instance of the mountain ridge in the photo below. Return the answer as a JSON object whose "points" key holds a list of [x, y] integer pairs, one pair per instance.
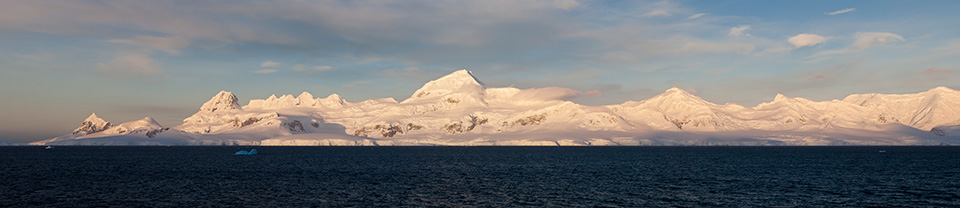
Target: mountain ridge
{"points": [[458, 109]]}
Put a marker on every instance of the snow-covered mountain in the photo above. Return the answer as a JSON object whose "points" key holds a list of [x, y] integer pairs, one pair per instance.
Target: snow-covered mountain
{"points": [[458, 109]]}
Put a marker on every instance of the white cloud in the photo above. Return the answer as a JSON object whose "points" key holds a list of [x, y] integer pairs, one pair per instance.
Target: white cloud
{"points": [[739, 30], [658, 13], [841, 11], [270, 64], [566, 4], [804, 40], [698, 15], [265, 71], [863, 41], [322, 68]]}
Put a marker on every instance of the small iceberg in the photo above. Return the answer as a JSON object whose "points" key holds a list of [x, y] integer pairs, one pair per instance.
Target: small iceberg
{"points": [[244, 152]]}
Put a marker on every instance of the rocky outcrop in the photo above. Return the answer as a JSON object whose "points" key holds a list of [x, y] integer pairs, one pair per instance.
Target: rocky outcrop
{"points": [[92, 124]]}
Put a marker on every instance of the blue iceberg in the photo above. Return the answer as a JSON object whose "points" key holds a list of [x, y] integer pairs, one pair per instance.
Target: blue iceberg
{"points": [[244, 152]]}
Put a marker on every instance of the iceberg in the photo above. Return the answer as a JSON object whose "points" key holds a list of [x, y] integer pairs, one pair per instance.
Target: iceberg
{"points": [[244, 152]]}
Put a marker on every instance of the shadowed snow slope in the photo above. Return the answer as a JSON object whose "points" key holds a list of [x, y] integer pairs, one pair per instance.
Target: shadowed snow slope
{"points": [[458, 109]]}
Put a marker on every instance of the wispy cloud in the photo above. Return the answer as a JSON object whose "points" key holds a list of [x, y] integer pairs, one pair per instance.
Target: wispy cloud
{"points": [[409, 71], [863, 41], [592, 93], [354, 84], [867, 39], [305, 68], [265, 71], [804, 40], [139, 61], [661, 9], [270, 64], [937, 71], [817, 77], [739, 30], [170, 45], [658, 13], [841, 11], [695, 16], [136, 63]]}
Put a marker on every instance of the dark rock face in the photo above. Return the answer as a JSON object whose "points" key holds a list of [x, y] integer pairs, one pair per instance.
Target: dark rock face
{"points": [[938, 131], [88, 127], [530, 120], [294, 126], [238, 122], [698, 123], [153, 133], [386, 130], [460, 127]]}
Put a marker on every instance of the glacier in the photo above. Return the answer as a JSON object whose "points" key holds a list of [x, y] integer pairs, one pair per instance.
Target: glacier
{"points": [[458, 109]]}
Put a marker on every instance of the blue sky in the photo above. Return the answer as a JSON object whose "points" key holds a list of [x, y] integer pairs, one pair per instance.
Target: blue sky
{"points": [[61, 61]]}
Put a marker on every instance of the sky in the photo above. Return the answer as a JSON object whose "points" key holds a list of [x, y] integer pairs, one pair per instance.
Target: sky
{"points": [[125, 60]]}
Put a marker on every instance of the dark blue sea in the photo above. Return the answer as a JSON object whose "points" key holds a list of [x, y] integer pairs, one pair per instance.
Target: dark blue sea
{"points": [[480, 177]]}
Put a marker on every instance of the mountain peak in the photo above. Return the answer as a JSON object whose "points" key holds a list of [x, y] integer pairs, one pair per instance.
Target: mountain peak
{"points": [[93, 118], [676, 95], [221, 102], [780, 97], [459, 77], [92, 124], [460, 81], [150, 120], [306, 99], [942, 89], [676, 90], [462, 74], [305, 95], [334, 96]]}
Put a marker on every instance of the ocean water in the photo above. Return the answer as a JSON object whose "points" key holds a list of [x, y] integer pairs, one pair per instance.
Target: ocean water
{"points": [[480, 176]]}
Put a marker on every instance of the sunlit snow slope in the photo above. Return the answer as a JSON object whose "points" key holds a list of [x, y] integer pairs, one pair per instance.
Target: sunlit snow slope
{"points": [[458, 109]]}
